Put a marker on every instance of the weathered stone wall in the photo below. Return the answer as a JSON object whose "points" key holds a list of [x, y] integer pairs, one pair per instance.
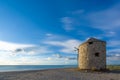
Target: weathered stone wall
{"points": [[92, 56]]}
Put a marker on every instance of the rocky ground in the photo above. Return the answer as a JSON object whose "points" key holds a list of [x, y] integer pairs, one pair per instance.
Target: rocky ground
{"points": [[60, 74]]}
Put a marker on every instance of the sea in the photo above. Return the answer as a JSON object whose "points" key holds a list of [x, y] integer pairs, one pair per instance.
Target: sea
{"points": [[9, 68]]}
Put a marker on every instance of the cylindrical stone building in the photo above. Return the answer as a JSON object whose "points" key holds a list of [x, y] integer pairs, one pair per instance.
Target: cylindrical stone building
{"points": [[92, 54]]}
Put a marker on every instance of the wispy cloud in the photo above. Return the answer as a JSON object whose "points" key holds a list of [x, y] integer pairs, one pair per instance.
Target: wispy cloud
{"points": [[114, 51], [109, 34], [21, 60], [62, 58], [57, 55], [67, 46], [78, 12], [113, 55], [20, 54], [16, 53], [70, 58], [113, 43], [23, 48], [8, 46], [106, 19], [33, 50], [49, 34], [67, 23]]}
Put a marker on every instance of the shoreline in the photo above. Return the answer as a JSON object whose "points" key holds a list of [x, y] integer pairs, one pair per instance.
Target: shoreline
{"points": [[59, 74], [33, 70], [11, 68]]}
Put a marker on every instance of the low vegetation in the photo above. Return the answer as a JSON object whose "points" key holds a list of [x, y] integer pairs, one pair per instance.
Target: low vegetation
{"points": [[113, 67]]}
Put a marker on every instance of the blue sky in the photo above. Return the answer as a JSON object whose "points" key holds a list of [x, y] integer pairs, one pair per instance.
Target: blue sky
{"points": [[45, 32]]}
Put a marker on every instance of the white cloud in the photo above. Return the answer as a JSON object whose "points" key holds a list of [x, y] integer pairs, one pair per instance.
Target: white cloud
{"points": [[27, 49], [8, 46], [24, 60], [21, 54], [33, 50], [113, 54], [40, 49], [60, 59], [114, 58], [118, 55], [67, 46]]}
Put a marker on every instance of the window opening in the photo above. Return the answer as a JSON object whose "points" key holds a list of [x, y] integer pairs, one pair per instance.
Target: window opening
{"points": [[90, 42], [97, 54]]}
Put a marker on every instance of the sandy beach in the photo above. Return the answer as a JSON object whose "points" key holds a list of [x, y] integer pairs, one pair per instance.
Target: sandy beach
{"points": [[59, 74]]}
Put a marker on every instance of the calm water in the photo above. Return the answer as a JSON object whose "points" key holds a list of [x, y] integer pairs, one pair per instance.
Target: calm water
{"points": [[6, 68]]}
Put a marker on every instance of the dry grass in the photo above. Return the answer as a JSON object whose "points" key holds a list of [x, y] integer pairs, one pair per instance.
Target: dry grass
{"points": [[113, 67]]}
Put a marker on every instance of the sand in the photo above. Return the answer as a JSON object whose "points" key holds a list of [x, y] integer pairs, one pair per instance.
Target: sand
{"points": [[59, 74]]}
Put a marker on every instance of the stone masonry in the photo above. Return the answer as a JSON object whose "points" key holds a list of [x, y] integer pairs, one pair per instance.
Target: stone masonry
{"points": [[92, 54]]}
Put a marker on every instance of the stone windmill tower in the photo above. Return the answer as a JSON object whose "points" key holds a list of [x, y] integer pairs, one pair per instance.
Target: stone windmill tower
{"points": [[92, 54]]}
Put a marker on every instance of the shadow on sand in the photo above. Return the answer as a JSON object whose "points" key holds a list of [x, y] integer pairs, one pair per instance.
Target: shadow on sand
{"points": [[113, 71], [100, 71]]}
